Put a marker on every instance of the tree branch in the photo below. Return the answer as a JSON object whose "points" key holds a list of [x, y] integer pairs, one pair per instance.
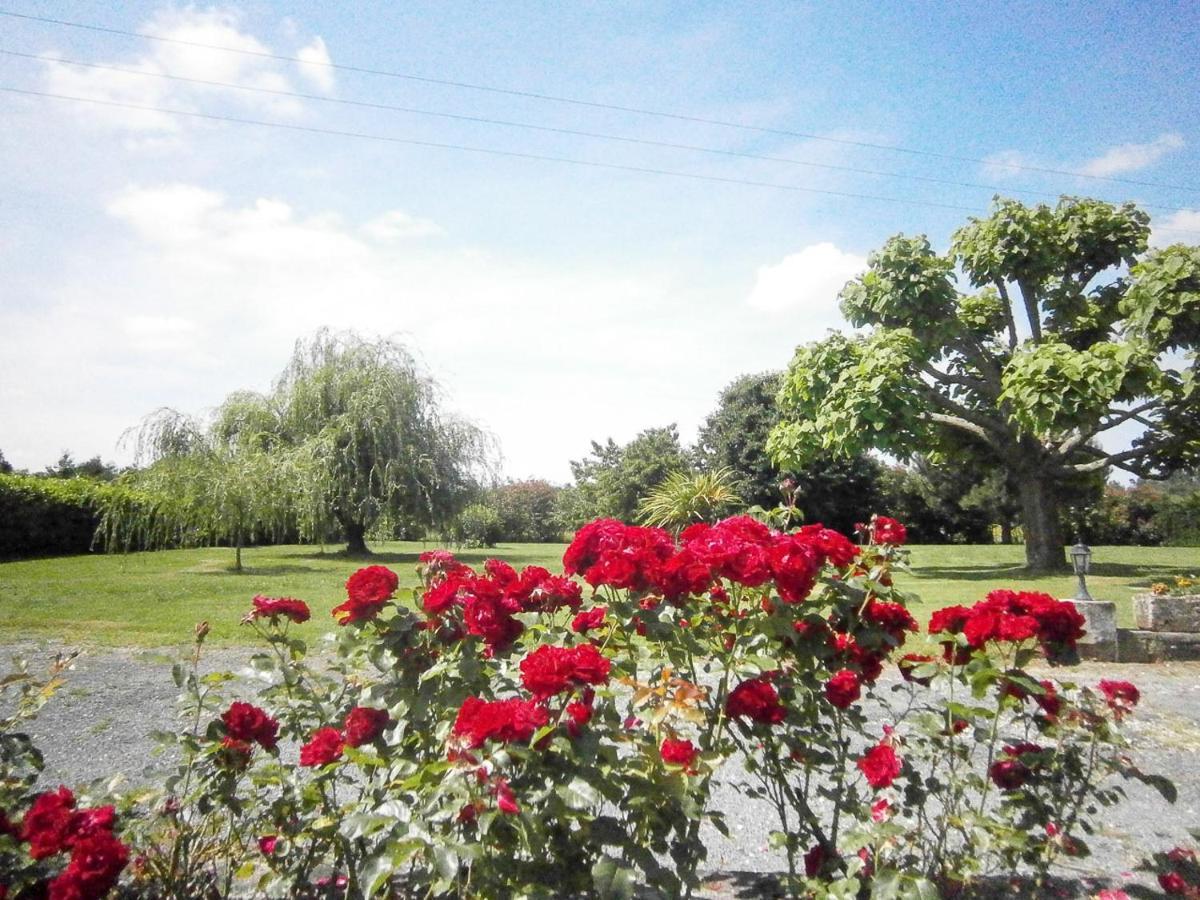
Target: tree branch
{"points": [[1009, 319], [962, 424], [1112, 459], [1081, 437], [1032, 311], [951, 378], [958, 411]]}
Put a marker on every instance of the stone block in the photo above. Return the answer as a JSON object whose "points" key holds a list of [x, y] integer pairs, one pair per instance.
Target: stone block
{"points": [[1153, 612], [1138, 646]]}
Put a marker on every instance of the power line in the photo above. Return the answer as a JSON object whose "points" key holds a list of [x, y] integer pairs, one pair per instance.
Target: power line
{"points": [[365, 104], [333, 132], [592, 104]]}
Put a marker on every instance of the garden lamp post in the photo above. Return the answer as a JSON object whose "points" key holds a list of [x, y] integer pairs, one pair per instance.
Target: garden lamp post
{"points": [[1081, 558]]}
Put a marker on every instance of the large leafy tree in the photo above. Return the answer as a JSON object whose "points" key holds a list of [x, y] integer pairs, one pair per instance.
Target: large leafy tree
{"points": [[1071, 329], [835, 491], [613, 479]]}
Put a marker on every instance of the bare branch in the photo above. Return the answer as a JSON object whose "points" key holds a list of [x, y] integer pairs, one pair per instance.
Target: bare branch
{"points": [[1032, 310], [962, 424], [1082, 437], [951, 378], [1112, 459]]}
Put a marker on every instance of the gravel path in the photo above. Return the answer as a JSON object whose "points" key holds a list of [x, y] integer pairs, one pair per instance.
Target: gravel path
{"points": [[97, 726]]}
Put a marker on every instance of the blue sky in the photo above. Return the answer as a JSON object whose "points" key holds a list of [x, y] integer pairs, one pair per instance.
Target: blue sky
{"points": [[150, 260]]}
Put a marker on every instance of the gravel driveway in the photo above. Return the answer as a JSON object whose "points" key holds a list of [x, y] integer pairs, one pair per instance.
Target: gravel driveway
{"points": [[97, 726]]}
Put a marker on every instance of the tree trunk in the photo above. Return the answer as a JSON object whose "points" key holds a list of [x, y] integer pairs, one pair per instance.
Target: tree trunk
{"points": [[237, 553], [356, 538], [1006, 532], [1044, 549]]}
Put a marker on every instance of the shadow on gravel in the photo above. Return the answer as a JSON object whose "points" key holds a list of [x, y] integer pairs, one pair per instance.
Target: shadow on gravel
{"points": [[721, 885]]}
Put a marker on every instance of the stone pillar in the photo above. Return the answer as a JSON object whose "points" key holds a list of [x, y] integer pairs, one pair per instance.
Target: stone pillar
{"points": [[1100, 641]]}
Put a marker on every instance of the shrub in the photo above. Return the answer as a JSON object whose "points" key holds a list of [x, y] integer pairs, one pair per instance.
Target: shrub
{"points": [[478, 525], [528, 511], [503, 733]]}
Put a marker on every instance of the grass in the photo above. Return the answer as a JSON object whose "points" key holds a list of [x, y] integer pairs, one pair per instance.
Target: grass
{"points": [[155, 599]]}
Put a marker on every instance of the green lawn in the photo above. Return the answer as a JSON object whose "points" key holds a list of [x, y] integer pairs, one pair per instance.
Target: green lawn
{"points": [[154, 599]]}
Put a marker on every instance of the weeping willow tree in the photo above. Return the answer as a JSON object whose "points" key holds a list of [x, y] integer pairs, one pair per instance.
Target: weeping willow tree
{"points": [[225, 482], [369, 438]]}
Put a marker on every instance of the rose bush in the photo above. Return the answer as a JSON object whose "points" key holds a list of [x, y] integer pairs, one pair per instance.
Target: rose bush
{"points": [[505, 733]]}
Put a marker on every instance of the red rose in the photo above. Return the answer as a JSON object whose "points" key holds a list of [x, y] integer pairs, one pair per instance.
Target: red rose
{"points": [[508, 721], [1173, 883], [1048, 700], [246, 722], [678, 753], [442, 596], [1121, 696], [506, 800], [880, 765], [684, 575], [538, 591], [47, 825], [589, 619], [551, 670], [756, 700], [579, 713], [815, 860], [881, 810], [890, 617], [486, 617], [96, 863], [324, 747], [372, 584], [838, 549], [949, 620], [364, 724], [274, 607], [267, 843], [885, 530], [843, 688], [795, 563], [1009, 774]]}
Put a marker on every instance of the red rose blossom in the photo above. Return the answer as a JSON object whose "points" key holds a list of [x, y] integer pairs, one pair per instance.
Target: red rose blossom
{"points": [[325, 746], [1173, 883], [589, 619], [267, 844], [885, 530], [1121, 696], [880, 765], [274, 607], [756, 700], [508, 721], [246, 722], [550, 670], [364, 724], [96, 862], [678, 753], [372, 584], [843, 688]]}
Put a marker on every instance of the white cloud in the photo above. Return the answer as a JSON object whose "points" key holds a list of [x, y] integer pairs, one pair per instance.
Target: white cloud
{"points": [[182, 56], [1131, 157], [1182, 227], [807, 282], [1119, 160], [398, 225], [315, 66]]}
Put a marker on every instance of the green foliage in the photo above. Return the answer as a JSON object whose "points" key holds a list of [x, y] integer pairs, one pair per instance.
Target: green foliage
{"points": [[528, 511], [41, 516], [734, 437], [67, 467], [479, 525], [369, 434], [1057, 346], [685, 498], [611, 482]]}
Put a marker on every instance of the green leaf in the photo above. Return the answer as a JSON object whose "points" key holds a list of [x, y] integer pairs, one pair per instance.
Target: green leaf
{"points": [[612, 879]]}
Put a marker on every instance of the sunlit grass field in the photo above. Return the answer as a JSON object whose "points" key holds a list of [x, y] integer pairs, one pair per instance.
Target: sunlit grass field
{"points": [[155, 599]]}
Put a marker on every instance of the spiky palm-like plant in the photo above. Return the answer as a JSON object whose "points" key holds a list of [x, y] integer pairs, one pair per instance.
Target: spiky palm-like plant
{"points": [[684, 498]]}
